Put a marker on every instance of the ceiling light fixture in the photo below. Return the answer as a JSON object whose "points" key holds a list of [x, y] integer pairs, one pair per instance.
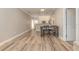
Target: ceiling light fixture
{"points": [[42, 10]]}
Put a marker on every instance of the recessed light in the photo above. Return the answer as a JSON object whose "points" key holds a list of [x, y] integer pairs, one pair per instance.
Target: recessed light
{"points": [[42, 10]]}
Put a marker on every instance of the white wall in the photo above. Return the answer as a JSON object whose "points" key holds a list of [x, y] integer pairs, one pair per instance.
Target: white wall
{"points": [[71, 24], [44, 18], [13, 22], [76, 43], [77, 24], [59, 16], [60, 20]]}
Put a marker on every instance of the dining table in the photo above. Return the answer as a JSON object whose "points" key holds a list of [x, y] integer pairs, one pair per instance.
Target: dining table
{"points": [[49, 30]]}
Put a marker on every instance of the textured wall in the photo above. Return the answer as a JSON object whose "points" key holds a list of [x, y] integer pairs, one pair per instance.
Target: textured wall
{"points": [[13, 22], [59, 20]]}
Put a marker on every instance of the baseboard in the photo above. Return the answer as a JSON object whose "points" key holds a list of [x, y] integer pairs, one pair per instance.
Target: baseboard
{"points": [[61, 38], [76, 46], [65, 39], [11, 39], [76, 43]]}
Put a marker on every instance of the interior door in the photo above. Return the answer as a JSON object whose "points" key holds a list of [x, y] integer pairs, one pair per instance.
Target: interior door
{"points": [[71, 24]]}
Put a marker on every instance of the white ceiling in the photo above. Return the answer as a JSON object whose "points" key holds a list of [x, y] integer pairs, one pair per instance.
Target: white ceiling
{"points": [[36, 11]]}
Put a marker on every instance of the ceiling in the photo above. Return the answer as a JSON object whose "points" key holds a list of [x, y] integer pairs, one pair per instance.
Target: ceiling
{"points": [[36, 11]]}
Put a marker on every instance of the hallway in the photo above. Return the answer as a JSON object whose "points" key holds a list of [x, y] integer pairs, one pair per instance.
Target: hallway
{"points": [[39, 29], [21, 29], [32, 41]]}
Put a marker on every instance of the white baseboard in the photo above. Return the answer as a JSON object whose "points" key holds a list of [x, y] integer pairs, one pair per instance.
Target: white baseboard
{"points": [[76, 46], [76, 43], [8, 40], [61, 38]]}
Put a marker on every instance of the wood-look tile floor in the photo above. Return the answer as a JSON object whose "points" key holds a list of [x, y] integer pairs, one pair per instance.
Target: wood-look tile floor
{"points": [[34, 42]]}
